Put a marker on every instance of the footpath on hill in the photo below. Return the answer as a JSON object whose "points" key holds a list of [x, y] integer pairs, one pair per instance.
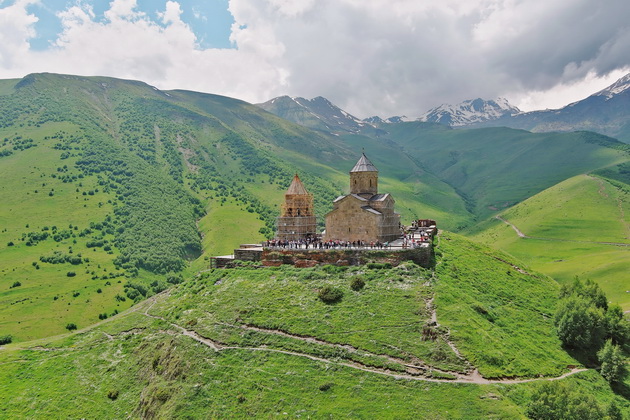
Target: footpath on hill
{"points": [[524, 236], [416, 372]]}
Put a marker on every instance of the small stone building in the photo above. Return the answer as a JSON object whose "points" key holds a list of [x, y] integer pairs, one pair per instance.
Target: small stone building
{"points": [[364, 214], [297, 217]]}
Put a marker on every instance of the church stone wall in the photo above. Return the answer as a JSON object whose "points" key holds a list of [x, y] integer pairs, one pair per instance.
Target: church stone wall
{"points": [[349, 223]]}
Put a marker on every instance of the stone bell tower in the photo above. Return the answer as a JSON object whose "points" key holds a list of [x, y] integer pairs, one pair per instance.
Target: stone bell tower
{"points": [[364, 178], [297, 218]]}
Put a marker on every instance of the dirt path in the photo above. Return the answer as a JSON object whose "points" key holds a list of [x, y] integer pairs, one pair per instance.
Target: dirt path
{"points": [[416, 372], [522, 235]]}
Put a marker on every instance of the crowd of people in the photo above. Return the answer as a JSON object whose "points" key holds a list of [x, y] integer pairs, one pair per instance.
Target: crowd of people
{"points": [[408, 240], [316, 243]]}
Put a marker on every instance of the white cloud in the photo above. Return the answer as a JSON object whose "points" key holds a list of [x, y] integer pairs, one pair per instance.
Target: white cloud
{"points": [[369, 56], [16, 29]]}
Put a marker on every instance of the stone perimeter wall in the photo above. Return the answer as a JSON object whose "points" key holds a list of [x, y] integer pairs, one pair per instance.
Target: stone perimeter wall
{"points": [[310, 258]]}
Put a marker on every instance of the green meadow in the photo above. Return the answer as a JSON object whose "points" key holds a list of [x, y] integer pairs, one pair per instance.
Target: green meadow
{"points": [[259, 342], [569, 225], [115, 196]]}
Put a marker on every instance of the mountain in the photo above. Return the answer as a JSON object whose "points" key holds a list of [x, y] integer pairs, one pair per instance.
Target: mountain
{"points": [[490, 169], [469, 112], [606, 112], [118, 189], [115, 196], [317, 113]]}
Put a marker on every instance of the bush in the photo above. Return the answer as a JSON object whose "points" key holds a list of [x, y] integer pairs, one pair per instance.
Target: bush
{"points": [[325, 387], [112, 394], [612, 361], [330, 294], [174, 279], [16, 284], [71, 326], [6, 339], [71, 274], [379, 266], [357, 283], [555, 400]]}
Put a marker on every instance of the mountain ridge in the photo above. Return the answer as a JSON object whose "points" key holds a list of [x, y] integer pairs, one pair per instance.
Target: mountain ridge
{"points": [[605, 112]]}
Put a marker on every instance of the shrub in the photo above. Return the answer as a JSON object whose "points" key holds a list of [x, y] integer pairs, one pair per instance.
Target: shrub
{"points": [[112, 394], [379, 266], [357, 283], [16, 284], [71, 326], [330, 294], [10, 243], [325, 387], [555, 400], [6, 339], [174, 279], [71, 274]]}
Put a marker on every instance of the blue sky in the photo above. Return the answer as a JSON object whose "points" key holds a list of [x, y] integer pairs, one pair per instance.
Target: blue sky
{"points": [[370, 57], [210, 20]]}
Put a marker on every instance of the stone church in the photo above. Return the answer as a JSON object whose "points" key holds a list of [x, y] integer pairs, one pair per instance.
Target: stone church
{"points": [[364, 214]]}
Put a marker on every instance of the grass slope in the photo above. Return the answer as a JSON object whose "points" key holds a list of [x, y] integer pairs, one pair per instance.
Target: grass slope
{"points": [[495, 168], [284, 351], [565, 223]]}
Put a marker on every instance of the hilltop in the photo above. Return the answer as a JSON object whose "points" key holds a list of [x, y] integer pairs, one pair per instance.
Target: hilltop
{"points": [[259, 341]]}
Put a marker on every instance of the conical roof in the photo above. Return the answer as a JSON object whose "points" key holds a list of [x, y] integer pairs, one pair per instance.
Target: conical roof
{"points": [[364, 165], [296, 187]]}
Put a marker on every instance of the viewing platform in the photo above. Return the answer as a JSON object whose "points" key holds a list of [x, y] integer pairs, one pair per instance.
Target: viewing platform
{"points": [[416, 246]]}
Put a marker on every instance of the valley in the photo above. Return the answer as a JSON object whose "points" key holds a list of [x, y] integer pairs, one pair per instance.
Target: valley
{"points": [[115, 195]]}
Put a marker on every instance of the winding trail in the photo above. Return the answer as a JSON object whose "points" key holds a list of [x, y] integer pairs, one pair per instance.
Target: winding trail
{"points": [[524, 236], [417, 372]]}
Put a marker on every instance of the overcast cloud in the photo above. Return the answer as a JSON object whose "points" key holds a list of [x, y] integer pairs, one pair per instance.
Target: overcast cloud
{"points": [[384, 57]]}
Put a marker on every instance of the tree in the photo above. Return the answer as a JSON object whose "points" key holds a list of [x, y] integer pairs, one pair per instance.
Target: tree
{"points": [[613, 412], [617, 327], [588, 290], [555, 400], [612, 362], [579, 323]]}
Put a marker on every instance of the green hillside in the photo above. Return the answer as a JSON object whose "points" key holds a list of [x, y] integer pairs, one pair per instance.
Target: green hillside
{"points": [[577, 228], [258, 342], [114, 188], [495, 168]]}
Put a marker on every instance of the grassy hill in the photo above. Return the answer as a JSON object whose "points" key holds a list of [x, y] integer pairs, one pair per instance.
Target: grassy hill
{"points": [[578, 227], [140, 185], [259, 342], [495, 168]]}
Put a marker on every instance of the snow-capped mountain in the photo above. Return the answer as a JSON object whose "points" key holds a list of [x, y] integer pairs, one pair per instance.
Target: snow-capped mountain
{"points": [[616, 88], [606, 112], [470, 112], [317, 113]]}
